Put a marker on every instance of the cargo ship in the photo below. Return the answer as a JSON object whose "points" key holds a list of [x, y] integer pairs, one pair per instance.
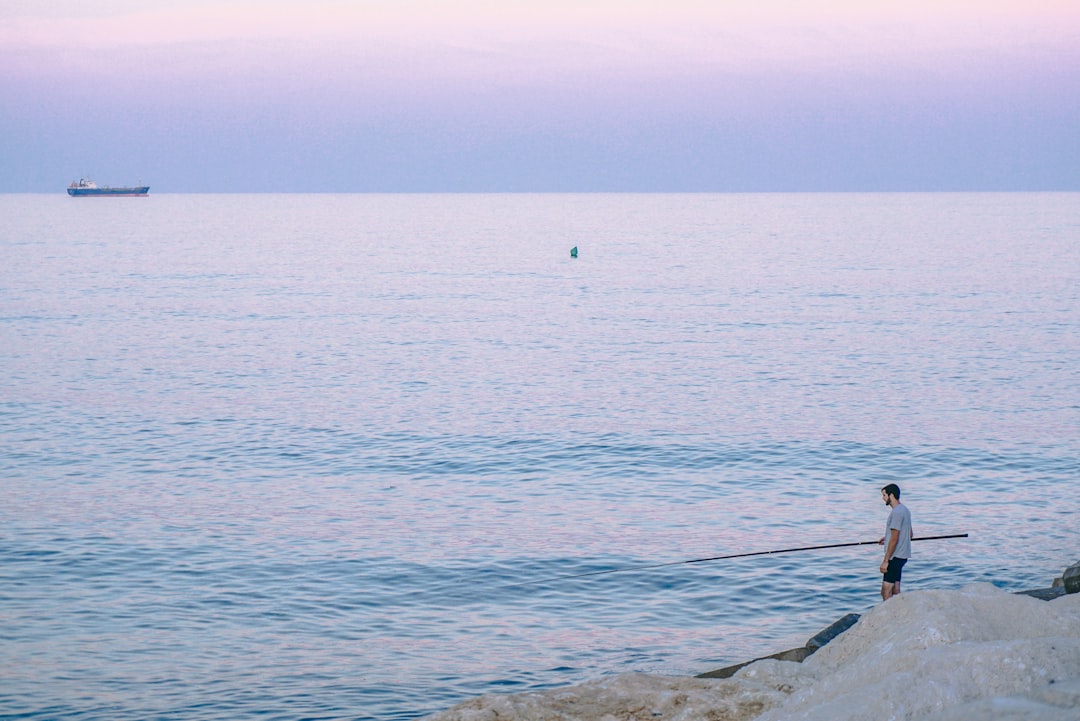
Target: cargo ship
{"points": [[84, 187]]}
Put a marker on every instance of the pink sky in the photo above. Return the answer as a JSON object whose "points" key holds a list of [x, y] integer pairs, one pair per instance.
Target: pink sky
{"points": [[462, 71], [773, 31]]}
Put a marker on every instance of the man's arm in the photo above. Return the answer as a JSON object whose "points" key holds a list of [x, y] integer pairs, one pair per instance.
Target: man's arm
{"points": [[894, 538]]}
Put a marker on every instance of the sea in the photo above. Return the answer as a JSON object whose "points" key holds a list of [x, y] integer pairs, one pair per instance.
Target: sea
{"points": [[352, 456]]}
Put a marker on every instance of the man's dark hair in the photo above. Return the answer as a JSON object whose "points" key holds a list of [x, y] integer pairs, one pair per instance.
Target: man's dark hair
{"points": [[892, 490]]}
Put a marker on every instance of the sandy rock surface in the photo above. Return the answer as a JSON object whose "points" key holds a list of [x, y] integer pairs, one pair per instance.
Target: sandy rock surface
{"points": [[927, 655], [626, 697]]}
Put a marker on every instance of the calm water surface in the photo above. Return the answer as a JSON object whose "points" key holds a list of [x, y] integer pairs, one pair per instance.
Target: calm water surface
{"points": [[284, 457]]}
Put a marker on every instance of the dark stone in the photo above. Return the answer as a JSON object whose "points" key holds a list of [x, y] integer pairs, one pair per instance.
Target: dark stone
{"points": [[795, 654], [1044, 594], [1071, 578], [831, 632]]}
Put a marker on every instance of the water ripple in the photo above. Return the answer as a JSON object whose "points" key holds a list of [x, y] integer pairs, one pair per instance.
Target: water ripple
{"points": [[320, 463]]}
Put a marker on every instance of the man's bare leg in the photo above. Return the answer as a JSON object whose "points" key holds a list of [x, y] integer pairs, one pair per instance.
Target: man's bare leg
{"points": [[888, 590]]}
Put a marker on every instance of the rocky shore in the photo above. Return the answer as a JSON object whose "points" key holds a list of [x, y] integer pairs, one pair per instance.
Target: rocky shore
{"points": [[978, 652]]}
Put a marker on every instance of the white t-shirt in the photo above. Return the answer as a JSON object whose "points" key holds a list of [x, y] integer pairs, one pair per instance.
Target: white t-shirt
{"points": [[899, 519]]}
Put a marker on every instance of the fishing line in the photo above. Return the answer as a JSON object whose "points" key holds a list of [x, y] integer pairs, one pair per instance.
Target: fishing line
{"points": [[720, 558]]}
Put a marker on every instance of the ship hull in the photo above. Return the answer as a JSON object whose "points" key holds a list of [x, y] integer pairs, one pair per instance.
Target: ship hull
{"points": [[139, 192]]}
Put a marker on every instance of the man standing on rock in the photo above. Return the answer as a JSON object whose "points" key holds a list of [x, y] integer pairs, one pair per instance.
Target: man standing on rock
{"points": [[897, 541]]}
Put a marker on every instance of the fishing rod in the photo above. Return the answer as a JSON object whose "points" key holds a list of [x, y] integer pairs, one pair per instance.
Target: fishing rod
{"points": [[720, 558]]}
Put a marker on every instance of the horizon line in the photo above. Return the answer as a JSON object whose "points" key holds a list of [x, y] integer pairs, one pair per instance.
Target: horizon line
{"points": [[578, 192]]}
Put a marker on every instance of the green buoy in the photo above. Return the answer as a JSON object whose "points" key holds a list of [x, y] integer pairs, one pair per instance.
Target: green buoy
{"points": [[573, 252]]}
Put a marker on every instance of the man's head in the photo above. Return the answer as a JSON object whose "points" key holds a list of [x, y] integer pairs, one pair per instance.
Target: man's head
{"points": [[892, 490]]}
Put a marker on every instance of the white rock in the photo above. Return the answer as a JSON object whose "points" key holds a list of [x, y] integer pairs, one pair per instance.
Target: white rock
{"points": [[978, 653]]}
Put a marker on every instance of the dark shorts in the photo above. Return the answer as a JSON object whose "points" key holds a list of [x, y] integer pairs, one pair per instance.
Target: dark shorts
{"points": [[895, 570]]}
